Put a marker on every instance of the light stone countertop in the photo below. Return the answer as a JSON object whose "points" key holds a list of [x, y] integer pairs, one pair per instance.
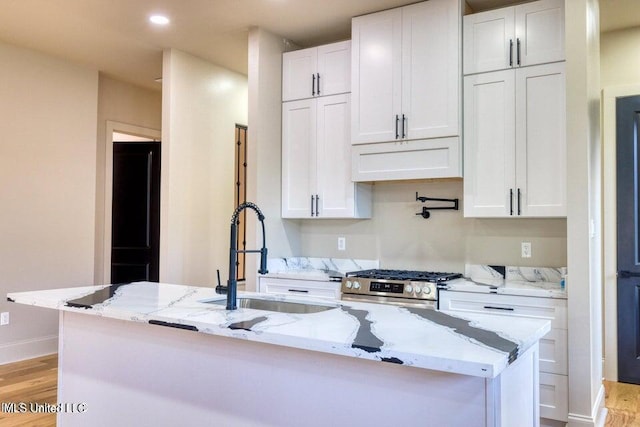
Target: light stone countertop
{"points": [[470, 344]]}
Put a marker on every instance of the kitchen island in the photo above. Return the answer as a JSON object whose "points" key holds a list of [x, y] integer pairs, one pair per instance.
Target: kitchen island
{"points": [[160, 354]]}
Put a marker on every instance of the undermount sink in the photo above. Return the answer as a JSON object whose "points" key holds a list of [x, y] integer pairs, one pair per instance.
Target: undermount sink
{"points": [[277, 306]]}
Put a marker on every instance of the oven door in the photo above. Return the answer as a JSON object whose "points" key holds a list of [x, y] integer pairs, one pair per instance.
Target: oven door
{"points": [[403, 302]]}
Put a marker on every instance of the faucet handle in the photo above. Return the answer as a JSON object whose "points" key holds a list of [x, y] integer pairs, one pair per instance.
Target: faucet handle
{"points": [[263, 261]]}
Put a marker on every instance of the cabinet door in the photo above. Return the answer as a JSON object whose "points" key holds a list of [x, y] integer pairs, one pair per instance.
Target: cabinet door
{"points": [[489, 155], [489, 41], [298, 157], [299, 74], [541, 149], [430, 69], [539, 28], [334, 69], [376, 76], [335, 188]]}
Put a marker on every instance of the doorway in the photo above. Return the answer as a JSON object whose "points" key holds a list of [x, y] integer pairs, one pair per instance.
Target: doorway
{"points": [[135, 215], [240, 195], [116, 132], [628, 237]]}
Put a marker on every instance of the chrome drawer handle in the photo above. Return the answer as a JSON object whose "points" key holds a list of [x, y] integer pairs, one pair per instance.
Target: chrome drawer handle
{"points": [[490, 307]]}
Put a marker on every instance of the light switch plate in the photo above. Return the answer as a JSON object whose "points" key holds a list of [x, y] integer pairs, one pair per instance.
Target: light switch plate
{"points": [[4, 318]]}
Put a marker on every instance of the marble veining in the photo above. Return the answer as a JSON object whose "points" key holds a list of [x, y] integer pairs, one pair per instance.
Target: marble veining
{"points": [[512, 280], [316, 268], [469, 343]]}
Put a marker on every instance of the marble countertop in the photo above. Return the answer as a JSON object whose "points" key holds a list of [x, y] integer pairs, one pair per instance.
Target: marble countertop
{"points": [[509, 287], [471, 344], [321, 269], [545, 282]]}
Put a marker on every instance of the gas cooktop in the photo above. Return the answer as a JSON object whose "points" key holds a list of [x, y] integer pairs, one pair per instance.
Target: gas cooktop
{"points": [[404, 275]]}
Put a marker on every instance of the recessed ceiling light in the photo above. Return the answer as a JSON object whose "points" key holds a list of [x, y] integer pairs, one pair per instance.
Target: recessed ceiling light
{"points": [[159, 19]]}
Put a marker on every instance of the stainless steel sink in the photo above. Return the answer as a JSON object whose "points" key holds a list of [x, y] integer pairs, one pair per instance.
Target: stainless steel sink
{"points": [[278, 306]]}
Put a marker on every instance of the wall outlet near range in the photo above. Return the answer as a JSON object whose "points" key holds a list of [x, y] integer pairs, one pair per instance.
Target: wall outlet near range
{"points": [[526, 249], [342, 243], [4, 318]]}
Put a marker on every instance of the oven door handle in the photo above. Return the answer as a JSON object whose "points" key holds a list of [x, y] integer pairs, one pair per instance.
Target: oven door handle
{"points": [[402, 302]]}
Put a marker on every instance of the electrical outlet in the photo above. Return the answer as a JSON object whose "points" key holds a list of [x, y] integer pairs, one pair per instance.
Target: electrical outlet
{"points": [[526, 249], [4, 318], [342, 243]]}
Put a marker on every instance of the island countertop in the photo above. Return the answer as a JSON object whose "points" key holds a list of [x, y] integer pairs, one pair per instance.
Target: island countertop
{"points": [[471, 344]]}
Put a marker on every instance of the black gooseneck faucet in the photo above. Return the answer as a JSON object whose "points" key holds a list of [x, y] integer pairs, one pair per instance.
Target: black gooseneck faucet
{"points": [[232, 283]]}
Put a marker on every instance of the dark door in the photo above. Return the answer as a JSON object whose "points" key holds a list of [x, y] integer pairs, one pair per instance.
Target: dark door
{"points": [[135, 235], [627, 147]]}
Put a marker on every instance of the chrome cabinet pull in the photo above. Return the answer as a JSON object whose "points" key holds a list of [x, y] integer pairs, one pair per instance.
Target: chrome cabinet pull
{"points": [[312, 205], [318, 91], [317, 209], [313, 84], [397, 121], [518, 44]]}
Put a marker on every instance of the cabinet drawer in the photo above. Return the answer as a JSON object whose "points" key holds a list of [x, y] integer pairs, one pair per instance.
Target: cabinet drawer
{"points": [[299, 287], [554, 310], [386, 161], [554, 396], [553, 352]]}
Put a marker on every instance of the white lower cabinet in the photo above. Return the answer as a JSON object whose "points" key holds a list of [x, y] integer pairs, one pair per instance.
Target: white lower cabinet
{"points": [[554, 395], [285, 286]]}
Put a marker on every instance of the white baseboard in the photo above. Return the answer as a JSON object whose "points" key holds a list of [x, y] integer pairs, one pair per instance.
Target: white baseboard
{"points": [[598, 417], [28, 349]]}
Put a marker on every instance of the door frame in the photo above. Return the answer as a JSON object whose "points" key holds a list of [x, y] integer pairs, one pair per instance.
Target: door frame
{"points": [[113, 126], [609, 215]]}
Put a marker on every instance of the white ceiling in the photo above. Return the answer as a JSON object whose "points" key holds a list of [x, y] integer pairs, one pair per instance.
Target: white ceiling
{"points": [[115, 37]]}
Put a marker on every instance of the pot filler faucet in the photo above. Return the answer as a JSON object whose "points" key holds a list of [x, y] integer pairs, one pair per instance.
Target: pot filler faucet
{"points": [[232, 283]]}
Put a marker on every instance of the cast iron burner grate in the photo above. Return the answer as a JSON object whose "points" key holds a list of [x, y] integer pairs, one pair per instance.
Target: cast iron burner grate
{"points": [[416, 276]]}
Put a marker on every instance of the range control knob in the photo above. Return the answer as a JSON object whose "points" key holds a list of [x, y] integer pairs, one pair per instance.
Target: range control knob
{"points": [[356, 285], [418, 289], [426, 290], [408, 288], [348, 284]]}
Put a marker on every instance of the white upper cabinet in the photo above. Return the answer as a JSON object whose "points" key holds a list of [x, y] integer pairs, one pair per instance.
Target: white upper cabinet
{"points": [[517, 36], [541, 149], [405, 73], [317, 71], [515, 144], [316, 161]]}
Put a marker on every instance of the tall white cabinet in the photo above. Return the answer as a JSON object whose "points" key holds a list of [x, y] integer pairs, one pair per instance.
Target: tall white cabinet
{"points": [[514, 119], [316, 148], [405, 89]]}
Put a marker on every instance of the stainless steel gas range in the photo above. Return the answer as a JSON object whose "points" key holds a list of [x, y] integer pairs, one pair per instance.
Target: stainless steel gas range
{"points": [[399, 287]]}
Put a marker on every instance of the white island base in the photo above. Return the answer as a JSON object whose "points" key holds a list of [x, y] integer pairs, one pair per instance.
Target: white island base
{"points": [[131, 373]]}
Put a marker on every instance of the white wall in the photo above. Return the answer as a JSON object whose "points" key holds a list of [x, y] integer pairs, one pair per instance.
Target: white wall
{"points": [[124, 103], [48, 110], [264, 150], [620, 57], [586, 394], [201, 104], [445, 242]]}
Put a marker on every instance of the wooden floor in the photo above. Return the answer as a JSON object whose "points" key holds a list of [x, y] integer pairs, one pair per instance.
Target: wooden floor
{"points": [[35, 380]]}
